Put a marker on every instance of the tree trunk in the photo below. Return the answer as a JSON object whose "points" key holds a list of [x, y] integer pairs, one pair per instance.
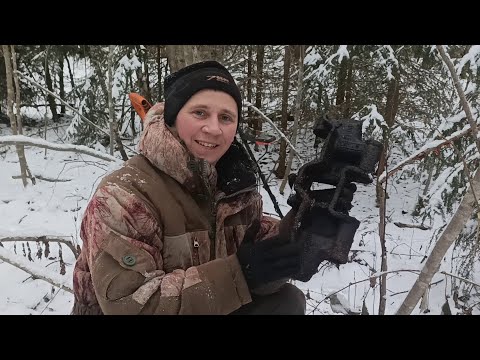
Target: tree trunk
{"points": [[210, 52], [72, 82], [348, 89], [341, 82], [298, 109], [383, 265], [249, 84], [280, 172], [143, 82], [432, 265], [132, 109], [180, 56], [391, 108], [48, 81], [257, 125], [159, 75], [14, 115], [60, 81], [111, 109]]}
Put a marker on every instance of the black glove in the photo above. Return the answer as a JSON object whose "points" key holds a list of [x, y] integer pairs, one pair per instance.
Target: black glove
{"points": [[267, 260]]}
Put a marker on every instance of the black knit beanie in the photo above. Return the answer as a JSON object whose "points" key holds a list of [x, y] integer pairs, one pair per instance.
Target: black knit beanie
{"points": [[180, 86]]}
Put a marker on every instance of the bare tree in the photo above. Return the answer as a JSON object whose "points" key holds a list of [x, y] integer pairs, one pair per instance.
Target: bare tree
{"points": [[111, 107], [298, 109], [391, 108], [14, 116], [280, 172], [257, 122], [48, 81]]}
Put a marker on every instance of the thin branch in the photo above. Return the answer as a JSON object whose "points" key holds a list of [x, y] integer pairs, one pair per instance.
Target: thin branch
{"points": [[460, 278], [461, 94], [36, 176], [275, 128], [45, 238], [25, 140], [35, 270], [414, 226]]}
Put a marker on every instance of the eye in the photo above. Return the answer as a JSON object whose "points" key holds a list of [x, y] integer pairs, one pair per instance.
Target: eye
{"points": [[226, 118], [199, 113]]}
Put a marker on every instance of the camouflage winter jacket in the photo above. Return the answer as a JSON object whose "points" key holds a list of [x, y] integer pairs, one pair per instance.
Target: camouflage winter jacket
{"points": [[160, 234]]}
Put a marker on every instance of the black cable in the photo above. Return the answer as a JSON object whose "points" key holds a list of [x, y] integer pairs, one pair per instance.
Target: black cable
{"points": [[264, 181]]}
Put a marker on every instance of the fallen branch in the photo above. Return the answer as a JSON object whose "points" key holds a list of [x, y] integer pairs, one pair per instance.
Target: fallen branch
{"points": [[82, 149], [414, 226], [37, 271], [36, 176], [50, 238]]}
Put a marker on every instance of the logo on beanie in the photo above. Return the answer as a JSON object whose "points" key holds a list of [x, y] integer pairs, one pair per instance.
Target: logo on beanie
{"points": [[218, 78]]}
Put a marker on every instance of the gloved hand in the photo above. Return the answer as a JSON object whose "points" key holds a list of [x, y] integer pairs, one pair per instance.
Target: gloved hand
{"points": [[267, 260]]}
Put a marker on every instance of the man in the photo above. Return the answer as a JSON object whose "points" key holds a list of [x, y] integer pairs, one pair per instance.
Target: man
{"points": [[179, 229]]}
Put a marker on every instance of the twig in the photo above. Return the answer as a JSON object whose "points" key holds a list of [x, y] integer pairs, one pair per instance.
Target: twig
{"points": [[50, 238], [42, 178], [373, 276], [35, 270], [275, 128], [460, 278], [421, 227]]}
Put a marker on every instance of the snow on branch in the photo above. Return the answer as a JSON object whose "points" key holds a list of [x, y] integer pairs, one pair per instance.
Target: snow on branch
{"points": [[37, 271], [25, 140], [433, 146]]}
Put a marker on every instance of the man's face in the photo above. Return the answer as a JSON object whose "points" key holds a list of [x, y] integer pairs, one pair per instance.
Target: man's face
{"points": [[207, 123]]}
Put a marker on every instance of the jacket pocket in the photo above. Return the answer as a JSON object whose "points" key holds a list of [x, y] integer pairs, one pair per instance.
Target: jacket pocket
{"points": [[177, 252]]}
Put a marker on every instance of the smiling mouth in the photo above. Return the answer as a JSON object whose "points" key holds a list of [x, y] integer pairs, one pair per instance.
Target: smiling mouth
{"points": [[206, 145]]}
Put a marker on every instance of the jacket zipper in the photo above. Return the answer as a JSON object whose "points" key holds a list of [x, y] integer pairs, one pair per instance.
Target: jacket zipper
{"points": [[212, 233], [196, 245]]}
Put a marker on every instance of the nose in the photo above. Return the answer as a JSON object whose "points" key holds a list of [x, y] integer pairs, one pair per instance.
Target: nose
{"points": [[212, 126]]}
